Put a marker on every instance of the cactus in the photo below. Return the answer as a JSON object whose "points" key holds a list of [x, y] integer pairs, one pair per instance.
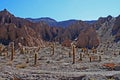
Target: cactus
{"points": [[84, 50], [69, 54], [22, 50], [99, 58], [90, 59], [6, 53], [73, 49], [0, 47], [12, 51], [53, 49], [38, 49], [94, 50], [35, 59], [80, 57], [27, 59]]}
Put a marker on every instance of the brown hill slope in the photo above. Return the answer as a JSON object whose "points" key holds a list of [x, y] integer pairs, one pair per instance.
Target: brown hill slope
{"points": [[17, 30], [32, 34]]}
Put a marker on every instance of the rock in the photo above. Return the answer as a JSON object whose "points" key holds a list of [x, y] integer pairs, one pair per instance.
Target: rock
{"points": [[87, 38], [66, 43]]}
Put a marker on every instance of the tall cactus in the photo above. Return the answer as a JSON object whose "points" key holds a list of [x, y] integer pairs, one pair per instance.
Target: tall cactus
{"points": [[73, 50], [21, 48], [90, 59], [80, 56], [27, 59], [35, 59], [100, 58], [0, 47], [12, 51], [53, 48], [94, 50], [69, 54], [6, 53]]}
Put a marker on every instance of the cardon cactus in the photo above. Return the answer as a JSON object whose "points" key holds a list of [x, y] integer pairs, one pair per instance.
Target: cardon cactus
{"points": [[35, 59], [53, 48], [12, 51], [100, 58], [80, 56], [94, 50], [69, 54], [73, 50], [21, 48], [90, 59]]}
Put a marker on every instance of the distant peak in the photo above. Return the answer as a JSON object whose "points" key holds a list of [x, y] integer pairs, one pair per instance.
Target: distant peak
{"points": [[109, 17], [5, 12], [5, 9]]}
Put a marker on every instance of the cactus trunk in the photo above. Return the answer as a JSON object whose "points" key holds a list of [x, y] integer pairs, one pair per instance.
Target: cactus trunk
{"points": [[12, 51], [90, 59], [80, 57], [35, 60], [69, 54], [99, 58], [73, 54]]}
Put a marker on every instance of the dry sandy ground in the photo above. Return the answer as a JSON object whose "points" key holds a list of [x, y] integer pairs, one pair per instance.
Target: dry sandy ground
{"points": [[59, 66]]}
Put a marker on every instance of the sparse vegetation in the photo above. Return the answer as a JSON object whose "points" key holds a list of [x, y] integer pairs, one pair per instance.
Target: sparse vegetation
{"points": [[12, 51], [34, 54], [73, 51], [35, 59]]}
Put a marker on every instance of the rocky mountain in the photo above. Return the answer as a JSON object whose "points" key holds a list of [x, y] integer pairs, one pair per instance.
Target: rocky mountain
{"points": [[90, 21], [107, 29], [116, 29], [51, 22], [18, 30], [44, 19], [33, 32]]}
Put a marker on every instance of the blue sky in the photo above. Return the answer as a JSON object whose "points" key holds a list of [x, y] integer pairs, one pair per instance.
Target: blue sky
{"points": [[62, 9]]}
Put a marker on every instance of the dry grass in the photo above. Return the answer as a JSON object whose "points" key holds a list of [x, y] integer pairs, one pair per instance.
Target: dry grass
{"points": [[18, 66]]}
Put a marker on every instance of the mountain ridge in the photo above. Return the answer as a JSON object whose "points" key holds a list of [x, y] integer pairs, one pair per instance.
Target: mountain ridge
{"points": [[15, 28]]}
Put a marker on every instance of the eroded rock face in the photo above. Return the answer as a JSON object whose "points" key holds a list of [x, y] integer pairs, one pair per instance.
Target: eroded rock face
{"points": [[88, 38], [116, 29], [23, 31], [18, 30], [66, 43]]}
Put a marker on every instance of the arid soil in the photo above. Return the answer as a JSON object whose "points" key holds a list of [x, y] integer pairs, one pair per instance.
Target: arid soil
{"points": [[100, 65]]}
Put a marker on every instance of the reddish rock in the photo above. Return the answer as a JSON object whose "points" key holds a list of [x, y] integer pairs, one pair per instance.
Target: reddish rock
{"points": [[23, 31], [18, 30], [66, 43], [87, 38]]}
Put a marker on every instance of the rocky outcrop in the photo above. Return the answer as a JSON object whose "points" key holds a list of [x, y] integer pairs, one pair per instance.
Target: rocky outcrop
{"points": [[89, 34], [67, 43], [88, 39], [116, 29], [18, 30], [23, 31]]}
